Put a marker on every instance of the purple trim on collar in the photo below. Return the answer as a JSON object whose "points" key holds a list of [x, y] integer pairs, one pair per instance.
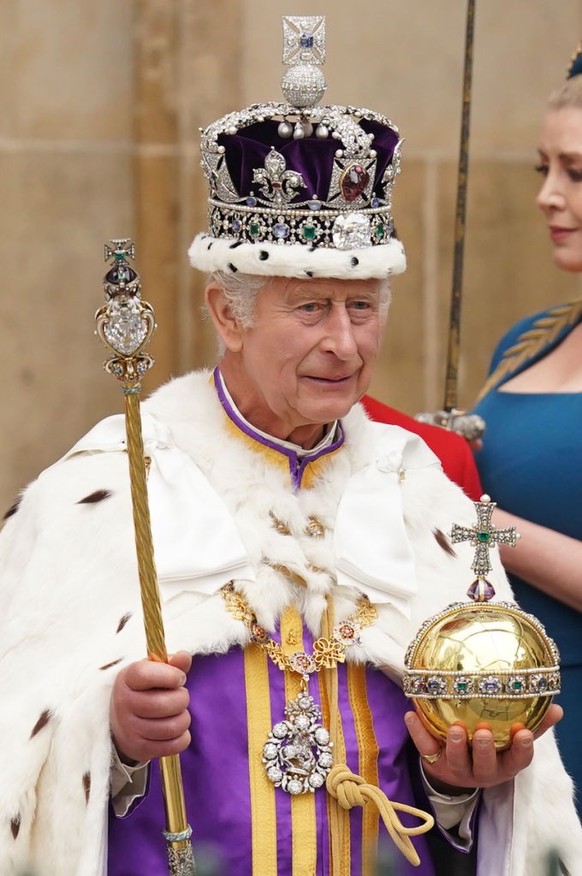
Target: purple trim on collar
{"points": [[297, 465]]}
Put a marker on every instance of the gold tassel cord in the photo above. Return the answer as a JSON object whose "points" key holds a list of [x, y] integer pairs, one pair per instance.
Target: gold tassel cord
{"points": [[350, 789]]}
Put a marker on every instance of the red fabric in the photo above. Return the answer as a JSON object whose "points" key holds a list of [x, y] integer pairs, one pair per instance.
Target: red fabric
{"points": [[452, 450]]}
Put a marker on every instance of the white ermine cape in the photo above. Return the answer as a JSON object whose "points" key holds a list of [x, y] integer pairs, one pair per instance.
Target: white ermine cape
{"points": [[70, 613]]}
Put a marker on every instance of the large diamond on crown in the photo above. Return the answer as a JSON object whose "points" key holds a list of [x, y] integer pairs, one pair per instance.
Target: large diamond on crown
{"points": [[352, 231]]}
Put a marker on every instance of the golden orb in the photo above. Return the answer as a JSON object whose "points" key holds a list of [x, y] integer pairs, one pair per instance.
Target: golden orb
{"points": [[482, 664]]}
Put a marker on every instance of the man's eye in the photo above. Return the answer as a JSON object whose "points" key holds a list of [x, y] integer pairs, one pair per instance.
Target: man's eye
{"points": [[309, 307]]}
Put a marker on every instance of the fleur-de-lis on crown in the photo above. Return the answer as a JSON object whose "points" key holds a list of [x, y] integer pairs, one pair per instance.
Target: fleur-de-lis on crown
{"points": [[278, 184]]}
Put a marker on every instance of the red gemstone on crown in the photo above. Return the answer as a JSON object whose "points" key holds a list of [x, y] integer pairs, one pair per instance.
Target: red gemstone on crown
{"points": [[353, 182]]}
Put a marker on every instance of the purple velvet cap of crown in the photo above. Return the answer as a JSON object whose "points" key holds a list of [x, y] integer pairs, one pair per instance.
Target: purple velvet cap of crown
{"points": [[311, 156], [299, 194]]}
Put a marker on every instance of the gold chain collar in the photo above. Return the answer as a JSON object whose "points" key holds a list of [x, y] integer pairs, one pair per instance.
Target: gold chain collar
{"points": [[327, 652]]}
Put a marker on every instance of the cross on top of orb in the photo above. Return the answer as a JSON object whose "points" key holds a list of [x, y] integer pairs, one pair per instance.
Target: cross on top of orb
{"points": [[483, 535]]}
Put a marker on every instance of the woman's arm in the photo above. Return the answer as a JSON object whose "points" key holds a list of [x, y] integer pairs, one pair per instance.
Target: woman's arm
{"points": [[546, 559]]}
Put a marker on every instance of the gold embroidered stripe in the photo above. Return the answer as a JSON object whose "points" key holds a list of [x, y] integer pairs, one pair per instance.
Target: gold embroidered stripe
{"points": [[303, 816], [338, 818], [368, 759], [262, 791]]}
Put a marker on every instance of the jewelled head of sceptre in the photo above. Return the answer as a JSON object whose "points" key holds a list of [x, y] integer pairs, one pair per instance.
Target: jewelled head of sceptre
{"points": [[297, 188], [125, 323]]}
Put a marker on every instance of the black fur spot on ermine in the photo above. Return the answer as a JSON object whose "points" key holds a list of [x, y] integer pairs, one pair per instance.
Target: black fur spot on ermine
{"points": [[13, 509], [123, 621], [87, 786], [95, 497], [42, 722], [443, 541], [109, 665]]}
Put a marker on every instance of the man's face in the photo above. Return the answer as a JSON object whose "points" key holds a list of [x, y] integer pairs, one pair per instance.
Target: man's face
{"points": [[308, 356]]}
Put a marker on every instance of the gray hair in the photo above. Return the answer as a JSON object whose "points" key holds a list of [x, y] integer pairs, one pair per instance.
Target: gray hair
{"points": [[241, 290]]}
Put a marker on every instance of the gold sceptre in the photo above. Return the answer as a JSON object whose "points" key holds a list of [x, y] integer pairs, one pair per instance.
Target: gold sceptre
{"points": [[471, 426], [125, 324]]}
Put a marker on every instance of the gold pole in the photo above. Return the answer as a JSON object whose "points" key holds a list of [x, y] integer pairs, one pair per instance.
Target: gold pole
{"points": [[471, 426], [452, 371], [125, 324]]}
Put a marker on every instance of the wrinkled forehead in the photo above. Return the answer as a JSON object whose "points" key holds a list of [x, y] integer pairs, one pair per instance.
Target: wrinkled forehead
{"points": [[324, 287]]}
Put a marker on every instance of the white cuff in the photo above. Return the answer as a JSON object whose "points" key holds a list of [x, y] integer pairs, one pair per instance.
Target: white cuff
{"points": [[126, 783], [453, 811]]}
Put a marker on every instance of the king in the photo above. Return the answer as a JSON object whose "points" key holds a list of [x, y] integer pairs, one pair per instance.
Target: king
{"points": [[298, 548]]}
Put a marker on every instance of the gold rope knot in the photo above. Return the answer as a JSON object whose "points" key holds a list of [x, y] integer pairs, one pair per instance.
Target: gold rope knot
{"points": [[352, 790]]}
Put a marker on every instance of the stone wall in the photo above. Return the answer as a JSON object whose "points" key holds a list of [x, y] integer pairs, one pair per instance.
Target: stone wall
{"points": [[99, 138]]}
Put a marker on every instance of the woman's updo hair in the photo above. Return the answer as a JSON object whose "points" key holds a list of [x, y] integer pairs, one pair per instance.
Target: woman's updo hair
{"points": [[569, 94]]}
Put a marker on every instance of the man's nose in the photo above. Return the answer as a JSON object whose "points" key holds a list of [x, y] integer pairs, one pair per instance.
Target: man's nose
{"points": [[339, 336]]}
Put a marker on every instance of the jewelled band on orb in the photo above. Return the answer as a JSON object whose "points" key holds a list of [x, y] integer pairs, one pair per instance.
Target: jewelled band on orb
{"points": [[515, 685]]}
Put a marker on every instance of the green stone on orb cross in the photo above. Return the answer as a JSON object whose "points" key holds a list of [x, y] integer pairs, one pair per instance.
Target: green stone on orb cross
{"points": [[483, 535]]}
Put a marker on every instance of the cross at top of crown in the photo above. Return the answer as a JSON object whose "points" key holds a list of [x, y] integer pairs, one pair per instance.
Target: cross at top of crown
{"points": [[303, 52], [303, 39]]}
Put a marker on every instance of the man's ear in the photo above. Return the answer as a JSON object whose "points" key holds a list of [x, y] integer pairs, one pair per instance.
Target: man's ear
{"points": [[225, 324]]}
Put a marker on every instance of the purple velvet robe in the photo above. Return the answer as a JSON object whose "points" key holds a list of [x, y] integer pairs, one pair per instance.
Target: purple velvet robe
{"points": [[216, 779]]}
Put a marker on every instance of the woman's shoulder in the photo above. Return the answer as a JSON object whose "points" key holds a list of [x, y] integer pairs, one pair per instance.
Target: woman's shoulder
{"points": [[514, 333], [529, 339]]}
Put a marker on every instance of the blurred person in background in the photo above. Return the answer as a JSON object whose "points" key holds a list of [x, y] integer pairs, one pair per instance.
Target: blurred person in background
{"points": [[531, 458]]}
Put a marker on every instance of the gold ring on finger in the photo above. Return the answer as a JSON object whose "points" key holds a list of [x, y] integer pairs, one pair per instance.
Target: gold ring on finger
{"points": [[432, 758]]}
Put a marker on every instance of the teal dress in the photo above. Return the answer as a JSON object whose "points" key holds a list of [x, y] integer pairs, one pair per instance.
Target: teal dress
{"points": [[531, 465]]}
